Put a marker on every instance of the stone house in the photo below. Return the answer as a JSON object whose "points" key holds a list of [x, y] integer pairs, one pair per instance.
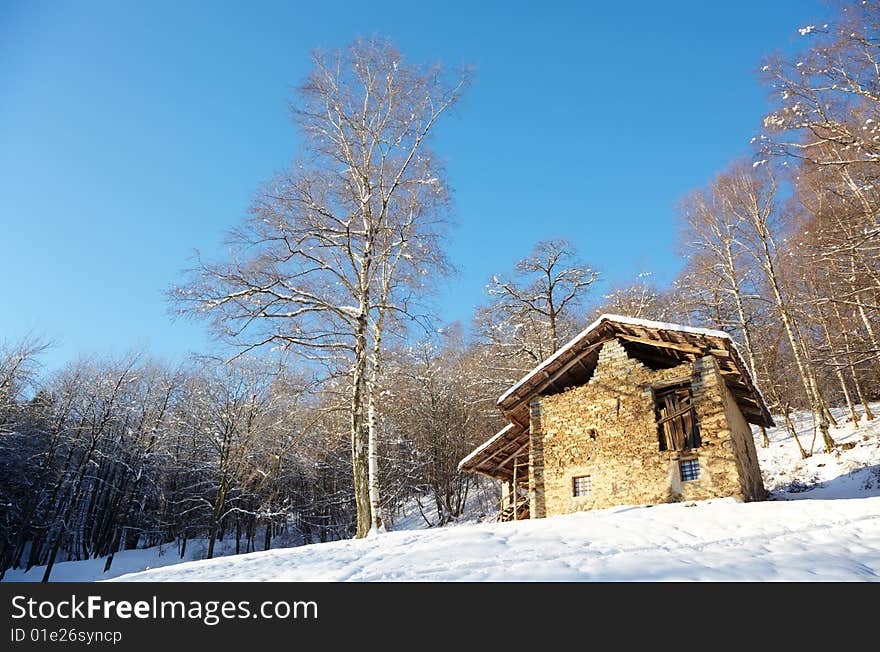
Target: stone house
{"points": [[629, 412]]}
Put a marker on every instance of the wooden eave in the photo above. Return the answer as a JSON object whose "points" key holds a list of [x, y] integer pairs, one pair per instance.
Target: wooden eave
{"points": [[499, 455]]}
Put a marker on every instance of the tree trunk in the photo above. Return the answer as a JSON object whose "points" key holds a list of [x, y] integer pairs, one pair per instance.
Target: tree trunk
{"points": [[788, 325], [359, 436], [117, 538], [838, 369], [219, 501], [788, 424], [376, 522], [212, 538], [51, 563], [869, 416], [852, 368], [867, 322], [747, 333], [872, 335]]}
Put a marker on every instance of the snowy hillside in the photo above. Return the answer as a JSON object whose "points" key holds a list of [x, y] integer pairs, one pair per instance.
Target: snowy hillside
{"points": [[718, 540], [127, 561], [850, 472], [822, 522]]}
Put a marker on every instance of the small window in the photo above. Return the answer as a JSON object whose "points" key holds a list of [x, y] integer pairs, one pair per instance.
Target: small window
{"points": [[582, 486], [677, 428], [689, 469]]}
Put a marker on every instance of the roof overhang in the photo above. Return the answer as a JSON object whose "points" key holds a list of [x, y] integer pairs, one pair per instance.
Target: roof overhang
{"points": [[497, 456]]}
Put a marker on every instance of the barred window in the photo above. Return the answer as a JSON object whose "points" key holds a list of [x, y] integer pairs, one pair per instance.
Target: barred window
{"points": [[582, 486], [689, 469]]}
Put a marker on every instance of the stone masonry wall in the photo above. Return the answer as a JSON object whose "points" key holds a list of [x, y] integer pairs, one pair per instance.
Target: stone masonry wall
{"points": [[743, 442], [606, 429], [537, 505]]}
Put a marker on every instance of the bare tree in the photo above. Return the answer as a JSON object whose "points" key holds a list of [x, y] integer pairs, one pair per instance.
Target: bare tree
{"points": [[436, 412], [19, 364], [752, 201], [712, 233], [640, 298], [828, 94], [323, 254], [534, 308], [111, 455], [824, 119]]}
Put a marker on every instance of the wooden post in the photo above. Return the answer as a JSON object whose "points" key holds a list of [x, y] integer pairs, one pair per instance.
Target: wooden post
{"points": [[505, 499], [513, 495]]}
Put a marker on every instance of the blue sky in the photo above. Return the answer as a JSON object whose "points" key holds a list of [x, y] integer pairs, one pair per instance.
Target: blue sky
{"points": [[133, 133]]}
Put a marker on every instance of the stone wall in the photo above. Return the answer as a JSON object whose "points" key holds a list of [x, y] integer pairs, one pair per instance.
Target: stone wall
{"points": [[537, 504], [607, 429], [743, 443]]}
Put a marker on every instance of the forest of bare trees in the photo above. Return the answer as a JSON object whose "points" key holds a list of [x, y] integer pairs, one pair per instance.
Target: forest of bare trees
{"points": [[345, 404], [109, 455], [784, 251]]}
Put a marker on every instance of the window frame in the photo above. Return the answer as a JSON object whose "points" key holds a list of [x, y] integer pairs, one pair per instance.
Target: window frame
{"points": [[575, 486], [693, 463], [673, 396]]}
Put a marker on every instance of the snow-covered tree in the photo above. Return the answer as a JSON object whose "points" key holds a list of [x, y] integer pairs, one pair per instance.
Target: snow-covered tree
{"points": [[639, 298], [537, 307], [349, 236]]}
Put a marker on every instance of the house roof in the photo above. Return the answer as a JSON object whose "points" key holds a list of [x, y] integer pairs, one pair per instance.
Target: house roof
{"points": [[656, 343], [498, 442], [497, 457]]}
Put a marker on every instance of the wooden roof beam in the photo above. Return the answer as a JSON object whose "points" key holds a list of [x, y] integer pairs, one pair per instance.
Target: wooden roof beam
{"points": [[671, 382], [512, 455], [663, 358], [514, 416], [492, 477], [571, 363], [686, 348]]}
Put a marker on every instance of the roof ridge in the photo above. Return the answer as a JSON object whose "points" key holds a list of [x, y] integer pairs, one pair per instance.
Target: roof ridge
{"points": [[622, 319]]}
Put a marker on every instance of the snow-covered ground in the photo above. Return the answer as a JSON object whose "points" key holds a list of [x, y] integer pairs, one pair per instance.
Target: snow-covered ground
{"points": [[719, 540], [851, 471], [822, 522], [127, 561]]}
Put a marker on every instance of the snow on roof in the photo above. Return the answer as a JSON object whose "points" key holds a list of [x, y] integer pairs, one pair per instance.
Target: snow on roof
{"points": [[623, 319], [498, 435]]}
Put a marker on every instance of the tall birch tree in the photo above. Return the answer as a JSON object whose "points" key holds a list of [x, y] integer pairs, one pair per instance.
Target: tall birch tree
{"points": [[312, 269]]}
